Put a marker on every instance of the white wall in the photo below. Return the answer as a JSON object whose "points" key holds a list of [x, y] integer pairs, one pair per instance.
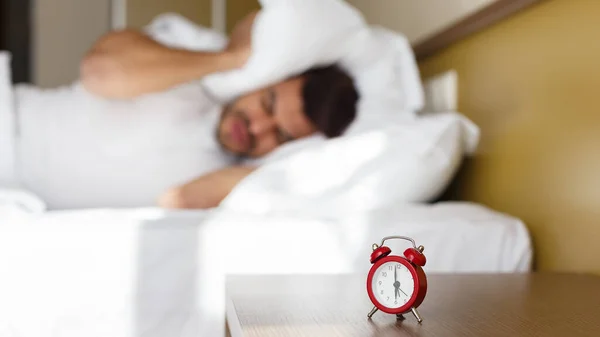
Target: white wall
{"points": [[63, 31], [417, 19]]}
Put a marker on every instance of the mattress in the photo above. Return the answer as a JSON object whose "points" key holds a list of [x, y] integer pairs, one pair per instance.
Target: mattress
{"points": [[151, 272]]}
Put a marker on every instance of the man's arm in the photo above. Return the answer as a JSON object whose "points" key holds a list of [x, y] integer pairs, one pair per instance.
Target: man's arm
{"points": [[207, 191], [125, 64]]}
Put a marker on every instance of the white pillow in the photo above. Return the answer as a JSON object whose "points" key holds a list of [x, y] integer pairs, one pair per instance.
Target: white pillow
{"points": [[177, 31], [441, 92], [289, 37], [80, 151], [407, 161]]}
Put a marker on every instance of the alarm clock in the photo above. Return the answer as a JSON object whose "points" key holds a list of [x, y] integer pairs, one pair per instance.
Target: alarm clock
{"points": [[397, 284]]}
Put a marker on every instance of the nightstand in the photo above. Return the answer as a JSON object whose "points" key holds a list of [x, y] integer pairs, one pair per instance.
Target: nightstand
{"points": [[456, 305]]}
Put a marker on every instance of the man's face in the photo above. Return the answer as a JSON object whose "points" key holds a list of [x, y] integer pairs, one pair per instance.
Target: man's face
{"points": [[259, 122]]}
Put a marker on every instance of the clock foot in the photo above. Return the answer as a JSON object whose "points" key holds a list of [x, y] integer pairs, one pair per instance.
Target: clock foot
{"points": [[400, 317], [372, 312], [417, 316]]}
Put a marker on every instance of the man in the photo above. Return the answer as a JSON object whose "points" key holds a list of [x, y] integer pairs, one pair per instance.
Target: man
{"points": [[127, 64]]}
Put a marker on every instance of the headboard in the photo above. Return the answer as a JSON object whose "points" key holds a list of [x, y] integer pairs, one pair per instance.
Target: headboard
{"points": [[531, 81]]}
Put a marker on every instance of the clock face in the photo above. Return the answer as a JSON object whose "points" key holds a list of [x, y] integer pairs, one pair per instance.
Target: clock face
{"points": [[393, 284]]}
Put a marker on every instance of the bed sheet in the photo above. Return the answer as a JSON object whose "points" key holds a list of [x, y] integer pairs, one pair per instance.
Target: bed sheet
{"points": [[149, 272]]}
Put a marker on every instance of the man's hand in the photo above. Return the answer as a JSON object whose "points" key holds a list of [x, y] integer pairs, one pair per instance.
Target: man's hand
{"points": [[125, 64], [240, 41], [207, 191]]}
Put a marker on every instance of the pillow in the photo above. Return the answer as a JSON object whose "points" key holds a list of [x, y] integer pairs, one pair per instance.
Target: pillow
{"points": [[291, 36], [174, 30], [407, 161], [441, 92], [72, 145]]}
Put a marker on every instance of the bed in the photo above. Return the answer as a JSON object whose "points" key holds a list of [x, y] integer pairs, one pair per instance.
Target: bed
{"points": [[150, 272]]}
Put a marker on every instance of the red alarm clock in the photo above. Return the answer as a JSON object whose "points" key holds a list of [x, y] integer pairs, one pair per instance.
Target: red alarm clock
{"points": [[397, 284]]}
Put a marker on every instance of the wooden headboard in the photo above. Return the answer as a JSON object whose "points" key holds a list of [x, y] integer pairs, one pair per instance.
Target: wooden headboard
{"points": [[531, 81]]}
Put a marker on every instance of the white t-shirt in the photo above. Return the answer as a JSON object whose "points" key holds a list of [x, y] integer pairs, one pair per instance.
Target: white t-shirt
{"points": [[75, 150]]}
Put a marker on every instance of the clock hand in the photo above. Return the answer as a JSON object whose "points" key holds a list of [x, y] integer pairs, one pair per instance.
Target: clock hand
{"points": [[396, 288], [396, 284], [403, 292]]}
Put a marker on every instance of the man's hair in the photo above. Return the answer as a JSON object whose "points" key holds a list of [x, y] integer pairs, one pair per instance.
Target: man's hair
{"points": [[330, 99]]}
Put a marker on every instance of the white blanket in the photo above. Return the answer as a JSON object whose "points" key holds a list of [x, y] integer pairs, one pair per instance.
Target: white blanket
{"points": [[75, 150], [124, 273]]}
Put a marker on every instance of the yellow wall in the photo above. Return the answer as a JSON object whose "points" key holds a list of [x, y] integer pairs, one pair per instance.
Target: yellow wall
{"points": [[141, 12], [532, 83], [237, 9]]}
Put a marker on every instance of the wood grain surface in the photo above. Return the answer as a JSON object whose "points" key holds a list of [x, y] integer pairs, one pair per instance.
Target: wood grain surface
{"points": [[456, 305]]}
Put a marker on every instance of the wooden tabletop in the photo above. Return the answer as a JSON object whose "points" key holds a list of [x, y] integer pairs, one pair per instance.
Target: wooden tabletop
{"points": [[471, 305]]}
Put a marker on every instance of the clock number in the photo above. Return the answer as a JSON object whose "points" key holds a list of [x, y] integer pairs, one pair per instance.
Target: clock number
{"points": [[399, 266], [390, 268], [388, 298], [384, 274], [380, 282], [395, 302], [382, 292]]}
